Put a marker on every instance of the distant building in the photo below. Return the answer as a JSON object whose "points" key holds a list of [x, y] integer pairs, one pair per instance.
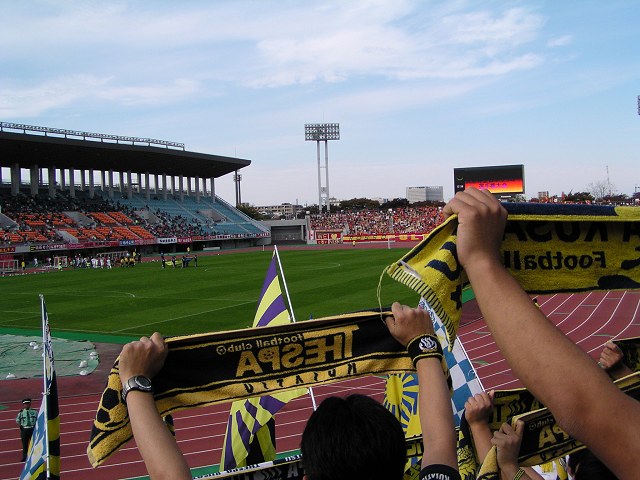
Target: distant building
{"points": [[425, 194], [334, 202], [543, 195], [286, 210]]}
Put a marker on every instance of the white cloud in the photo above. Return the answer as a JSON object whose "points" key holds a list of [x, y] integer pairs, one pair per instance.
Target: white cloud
{"points": [[28, 101], [560, 41], [453, 45], [152, 94], [241, 77], [397, 98], [504, 30], [380, 55], [267, 44]]}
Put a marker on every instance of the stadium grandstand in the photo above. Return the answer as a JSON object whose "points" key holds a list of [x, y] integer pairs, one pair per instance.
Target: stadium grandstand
{"points": [[369, 225], [96, 193], [70, 192]]}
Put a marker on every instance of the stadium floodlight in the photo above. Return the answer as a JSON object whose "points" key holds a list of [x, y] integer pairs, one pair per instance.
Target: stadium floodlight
{"points": [[322, 132], [317, 132]]}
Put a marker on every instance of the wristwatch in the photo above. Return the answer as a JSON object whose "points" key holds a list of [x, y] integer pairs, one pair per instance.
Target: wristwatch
{"points": [[139, 382]]}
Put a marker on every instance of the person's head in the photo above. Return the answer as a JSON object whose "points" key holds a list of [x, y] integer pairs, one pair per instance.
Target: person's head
{"points": [[26, 403], [353, 437], [584, 465]]}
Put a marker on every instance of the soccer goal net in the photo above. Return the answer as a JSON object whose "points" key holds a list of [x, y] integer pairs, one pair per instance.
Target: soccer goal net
{"points": [[60, 262], [8, 266], [113, 255]]}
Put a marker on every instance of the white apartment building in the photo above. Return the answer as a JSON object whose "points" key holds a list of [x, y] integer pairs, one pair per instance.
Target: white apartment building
{"points": [[425, 194]]}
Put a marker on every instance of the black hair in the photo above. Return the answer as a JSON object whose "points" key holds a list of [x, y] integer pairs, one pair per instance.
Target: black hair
{"points": [[586, 466], [353, 437]]}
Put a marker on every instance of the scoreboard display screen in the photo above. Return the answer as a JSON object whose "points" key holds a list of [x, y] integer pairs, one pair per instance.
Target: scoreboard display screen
{"points": [[503, 179]]}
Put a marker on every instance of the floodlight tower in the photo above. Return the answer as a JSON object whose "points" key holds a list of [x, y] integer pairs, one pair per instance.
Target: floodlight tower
{"points": [[322, 132], [237, 178]]}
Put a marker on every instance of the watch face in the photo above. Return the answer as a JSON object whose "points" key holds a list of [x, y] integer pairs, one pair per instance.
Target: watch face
{"points": [[143, 382]]}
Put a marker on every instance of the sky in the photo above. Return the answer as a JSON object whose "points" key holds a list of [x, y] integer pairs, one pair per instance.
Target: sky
{"points": [[418, 87]]}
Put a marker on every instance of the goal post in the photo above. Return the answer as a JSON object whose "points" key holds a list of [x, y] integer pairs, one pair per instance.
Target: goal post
{"points": [[8, 266], [60, 262], [113, 255]]}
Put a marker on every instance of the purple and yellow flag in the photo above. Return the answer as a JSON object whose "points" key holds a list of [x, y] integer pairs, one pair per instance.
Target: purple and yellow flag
{"points": [[250, 434]]}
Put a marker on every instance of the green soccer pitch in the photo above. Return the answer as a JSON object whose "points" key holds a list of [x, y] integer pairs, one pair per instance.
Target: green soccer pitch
{"points": [[220, 294]]}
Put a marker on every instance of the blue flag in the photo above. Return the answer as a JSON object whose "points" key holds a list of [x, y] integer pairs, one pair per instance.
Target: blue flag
{"points": [[464, 379], [401, 391], [43, 459], [401, 394]]}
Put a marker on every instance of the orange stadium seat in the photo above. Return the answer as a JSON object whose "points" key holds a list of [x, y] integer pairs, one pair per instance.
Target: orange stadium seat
{"points": [[121, 218], [141, 232], [103, 218], [126, 233], [15, 238], [34, 236], [74, 232], [92, 234]]}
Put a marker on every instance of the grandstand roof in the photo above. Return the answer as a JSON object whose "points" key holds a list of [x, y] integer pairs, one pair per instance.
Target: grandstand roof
{"points": [[70, 153]]}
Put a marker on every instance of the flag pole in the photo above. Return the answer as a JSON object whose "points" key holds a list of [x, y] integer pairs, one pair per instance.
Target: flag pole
{"points": [[293, 316], [45, 394], [284, 282]]}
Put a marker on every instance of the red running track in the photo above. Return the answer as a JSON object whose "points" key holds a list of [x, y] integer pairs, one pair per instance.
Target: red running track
{"points": [[589, 319]]}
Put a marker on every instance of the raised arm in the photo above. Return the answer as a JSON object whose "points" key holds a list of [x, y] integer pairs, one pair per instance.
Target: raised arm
{"points": [[158, 448], [477, 411], [581, 397], [436, 414]]}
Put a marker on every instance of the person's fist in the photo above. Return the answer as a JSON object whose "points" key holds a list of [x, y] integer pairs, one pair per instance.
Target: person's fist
{"points": [[478, 408], [407, 323], [143, 357]]}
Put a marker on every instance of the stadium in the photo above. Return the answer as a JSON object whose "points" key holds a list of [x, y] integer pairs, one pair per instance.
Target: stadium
{"points": [[125, 236]]}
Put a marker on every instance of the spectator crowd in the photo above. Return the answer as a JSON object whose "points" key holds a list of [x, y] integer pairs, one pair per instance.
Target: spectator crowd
{"points": [[357, 437], [42, 219], [405, 220]]}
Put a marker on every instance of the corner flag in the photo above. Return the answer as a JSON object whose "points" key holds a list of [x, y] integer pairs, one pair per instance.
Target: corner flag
{"points": [[250, 434], [43, 460]]}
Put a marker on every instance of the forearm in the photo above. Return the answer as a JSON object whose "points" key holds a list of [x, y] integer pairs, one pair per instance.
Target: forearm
{"points": [[507, 472], [157, 446], [581, 397], [481, 439], [436, 415], [537, 352], [578, 393]]}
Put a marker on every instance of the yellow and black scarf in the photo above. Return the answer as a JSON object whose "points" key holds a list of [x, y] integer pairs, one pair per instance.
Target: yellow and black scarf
{"points": [[547, 248], [543, 248], [205, 369], [542, 441]]}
